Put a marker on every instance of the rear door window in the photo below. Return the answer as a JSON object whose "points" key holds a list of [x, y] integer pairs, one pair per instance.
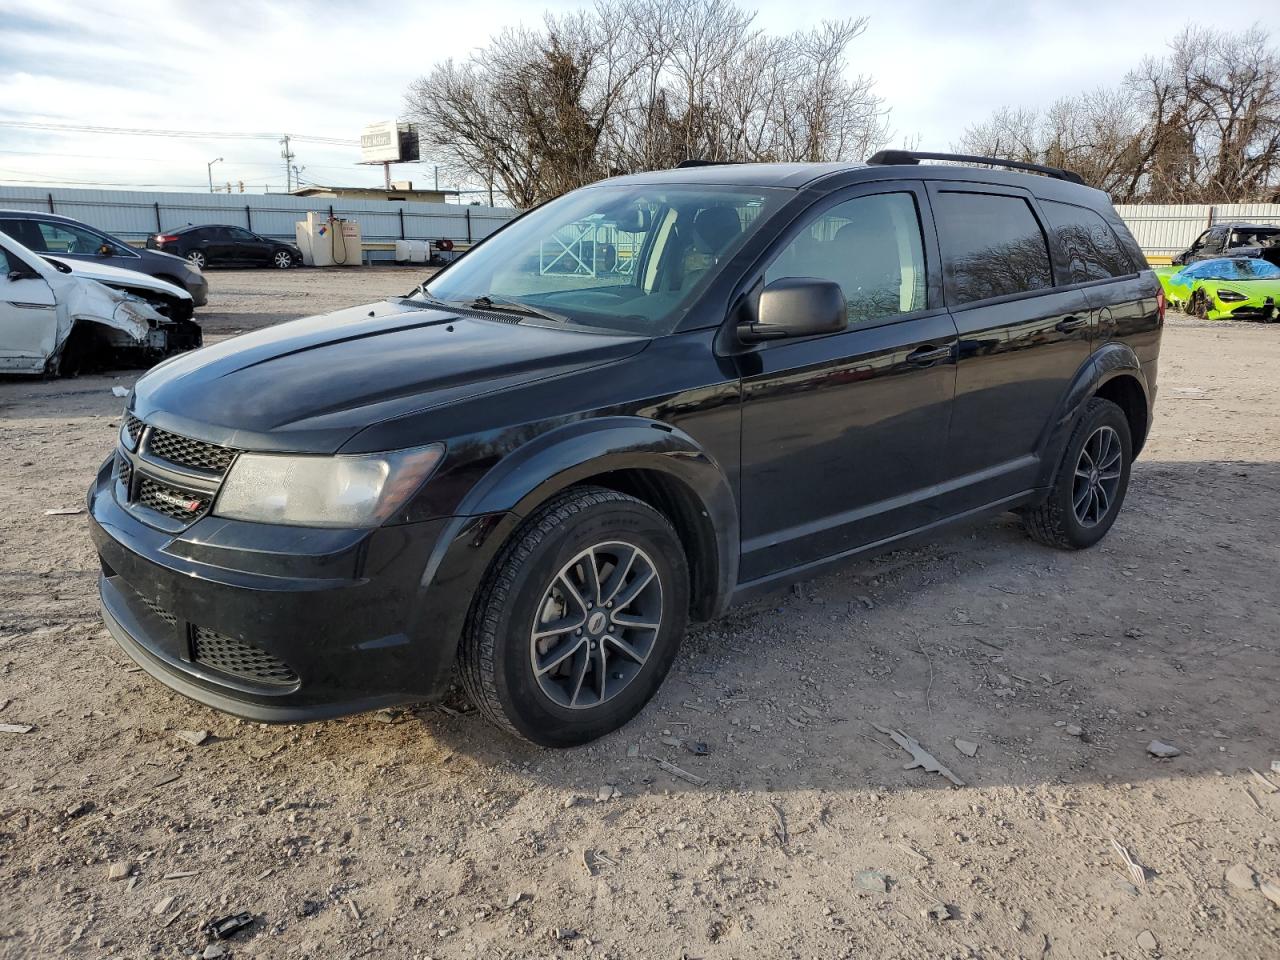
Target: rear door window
{"points": [[992, 246], [871, 246], [1092, 247]]}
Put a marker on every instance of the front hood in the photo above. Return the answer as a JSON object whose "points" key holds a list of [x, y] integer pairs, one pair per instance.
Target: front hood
{"points": [[310, 385], [120, 277]]}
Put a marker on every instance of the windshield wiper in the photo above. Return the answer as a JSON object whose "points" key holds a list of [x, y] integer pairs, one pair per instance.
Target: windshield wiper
{"points": [[506, 305]]}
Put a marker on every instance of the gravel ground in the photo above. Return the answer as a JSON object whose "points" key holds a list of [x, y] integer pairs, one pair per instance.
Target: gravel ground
{"points": [[422, 833]]}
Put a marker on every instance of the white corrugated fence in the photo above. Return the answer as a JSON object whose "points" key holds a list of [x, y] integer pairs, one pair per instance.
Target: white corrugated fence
{"points": [[133, 215]]}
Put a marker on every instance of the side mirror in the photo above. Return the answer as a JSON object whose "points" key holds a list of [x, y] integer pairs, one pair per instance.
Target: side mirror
{"points": [[16, 275], [797, 307]]}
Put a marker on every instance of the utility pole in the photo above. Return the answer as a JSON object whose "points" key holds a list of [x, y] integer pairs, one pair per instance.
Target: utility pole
{"points": [[210, 166], [288, 156]]}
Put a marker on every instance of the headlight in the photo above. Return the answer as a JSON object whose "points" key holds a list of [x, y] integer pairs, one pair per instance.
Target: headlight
{"points": [[1230, 296], [338, 491]]}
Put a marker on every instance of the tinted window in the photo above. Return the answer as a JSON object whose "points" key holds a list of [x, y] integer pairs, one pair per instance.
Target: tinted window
{"points": [[238, 233], [992, 246], [1092, 247], [4, 263], [871, 246], [63, 238]]}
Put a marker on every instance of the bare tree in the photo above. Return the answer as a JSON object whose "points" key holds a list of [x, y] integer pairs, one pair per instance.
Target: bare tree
{"points": [[1201, 124], [644, 85]]}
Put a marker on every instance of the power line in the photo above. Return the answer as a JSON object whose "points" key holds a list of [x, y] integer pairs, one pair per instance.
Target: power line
{"points": [[18, 177], [185, 134]]}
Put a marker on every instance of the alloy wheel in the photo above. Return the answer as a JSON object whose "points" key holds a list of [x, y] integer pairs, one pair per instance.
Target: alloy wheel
{"points": [[596, 625], [283, 260], [1097, 476], [196, 259]]}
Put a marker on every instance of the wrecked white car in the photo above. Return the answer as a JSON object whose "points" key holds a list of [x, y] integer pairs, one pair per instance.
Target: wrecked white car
{"points": [[54, 321], [169, 299]]}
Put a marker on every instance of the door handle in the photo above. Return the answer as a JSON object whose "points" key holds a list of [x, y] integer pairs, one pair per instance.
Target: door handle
{"points": [[1070, 323], [927, 355]]}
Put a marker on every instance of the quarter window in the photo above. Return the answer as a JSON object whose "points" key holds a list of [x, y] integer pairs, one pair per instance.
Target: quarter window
{"points": [[871, 246], [992, 246], [1092, 247]]}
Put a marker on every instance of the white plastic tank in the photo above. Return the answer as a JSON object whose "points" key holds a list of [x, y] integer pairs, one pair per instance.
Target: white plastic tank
{"points": [[329, 243], [413, 251]]}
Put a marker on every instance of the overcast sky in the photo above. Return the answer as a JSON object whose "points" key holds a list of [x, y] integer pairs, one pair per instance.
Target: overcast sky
{"points": [[326, 69]]}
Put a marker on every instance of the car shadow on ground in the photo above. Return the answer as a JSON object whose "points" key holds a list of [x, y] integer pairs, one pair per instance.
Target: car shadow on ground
{"points": [[1167, 630]]}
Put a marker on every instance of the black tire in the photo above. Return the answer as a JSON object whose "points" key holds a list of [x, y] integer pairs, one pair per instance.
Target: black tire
{"points": [[197, 258], [496, 658], [282, 259], [1057, 521]]}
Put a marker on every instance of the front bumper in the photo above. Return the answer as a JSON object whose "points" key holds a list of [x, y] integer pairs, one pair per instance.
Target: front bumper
{"points": [[198, 287], [281, 624]]}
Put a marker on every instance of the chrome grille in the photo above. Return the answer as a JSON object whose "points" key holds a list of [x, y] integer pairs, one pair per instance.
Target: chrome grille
{"points": [[239, 658], [172, 502], [186, 452]]}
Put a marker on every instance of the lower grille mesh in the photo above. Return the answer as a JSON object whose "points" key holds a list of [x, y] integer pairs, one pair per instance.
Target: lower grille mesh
{"points": [[239, 658], [159, 611]]}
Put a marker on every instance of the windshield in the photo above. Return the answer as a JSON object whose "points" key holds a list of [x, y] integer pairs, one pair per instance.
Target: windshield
{"points": [[1250, 269], [620, 258]]}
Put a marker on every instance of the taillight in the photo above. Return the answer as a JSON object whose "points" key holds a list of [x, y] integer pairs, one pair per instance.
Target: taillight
{"points": [[1160, 305], [166, 238]]}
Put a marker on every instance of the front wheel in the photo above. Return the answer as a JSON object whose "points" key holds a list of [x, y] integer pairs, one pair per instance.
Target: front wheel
{"points": [[282, 259], [1090, 483], [579, 619]]}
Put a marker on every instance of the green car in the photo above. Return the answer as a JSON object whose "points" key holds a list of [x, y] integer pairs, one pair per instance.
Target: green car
{"points": [[1224, 289]]}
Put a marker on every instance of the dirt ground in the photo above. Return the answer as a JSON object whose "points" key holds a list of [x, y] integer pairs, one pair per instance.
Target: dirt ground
{"points": [[423, 834]]}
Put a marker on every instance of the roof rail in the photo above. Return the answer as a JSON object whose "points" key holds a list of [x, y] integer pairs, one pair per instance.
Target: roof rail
{"points": [[890, 157], [704, 163]]}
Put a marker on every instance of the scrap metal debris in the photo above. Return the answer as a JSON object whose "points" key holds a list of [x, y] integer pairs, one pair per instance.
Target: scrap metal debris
{"points": [[224, 927], [920, 757], [675, 771]]}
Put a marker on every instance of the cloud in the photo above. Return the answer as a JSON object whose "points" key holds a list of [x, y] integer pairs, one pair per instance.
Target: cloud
{"points": [[327, 68]]}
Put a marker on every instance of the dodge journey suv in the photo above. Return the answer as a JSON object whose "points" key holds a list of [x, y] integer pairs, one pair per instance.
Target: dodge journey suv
{"points": [[635, 405]]}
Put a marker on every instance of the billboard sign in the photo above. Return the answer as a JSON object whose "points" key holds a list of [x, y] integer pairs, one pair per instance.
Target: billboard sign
{"points": [[389, 142]]}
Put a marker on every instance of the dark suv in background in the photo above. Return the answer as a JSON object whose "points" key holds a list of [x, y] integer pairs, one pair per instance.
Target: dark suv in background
{"points": [[539, 465], [1257, 240], [55, 235]]}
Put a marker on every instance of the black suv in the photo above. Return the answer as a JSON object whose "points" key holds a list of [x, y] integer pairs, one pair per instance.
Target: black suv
{"points": [[541, 463], [221, 246]]}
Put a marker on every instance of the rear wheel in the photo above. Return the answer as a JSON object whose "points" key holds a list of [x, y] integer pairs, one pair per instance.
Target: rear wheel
{"points": [[1090, 483], [579, 619]]}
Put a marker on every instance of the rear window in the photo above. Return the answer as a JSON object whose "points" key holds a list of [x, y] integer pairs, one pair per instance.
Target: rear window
{"points": [[1092, 247], [992, 246]]}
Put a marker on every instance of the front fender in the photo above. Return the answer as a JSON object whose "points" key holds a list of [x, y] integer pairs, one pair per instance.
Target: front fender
{"points": [[493, 509], [1113, 359], [576, 452]]}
